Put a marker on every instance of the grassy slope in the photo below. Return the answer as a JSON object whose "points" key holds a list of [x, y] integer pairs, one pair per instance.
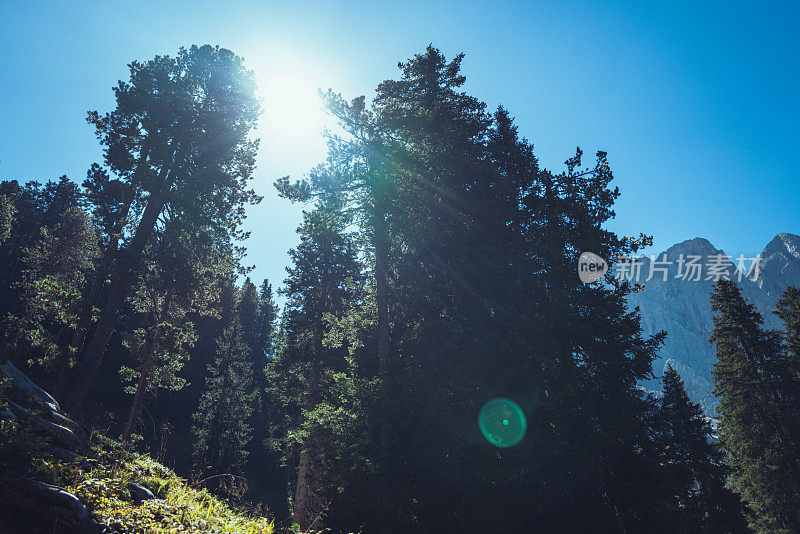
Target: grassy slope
{"points": [[177, 508]]}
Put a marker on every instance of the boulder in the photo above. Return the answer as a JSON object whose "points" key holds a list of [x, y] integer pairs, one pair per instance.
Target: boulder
{"points": [[67, 456], [24, 386], [50, 504], [62, 435], [62, 420], [139, 493]]}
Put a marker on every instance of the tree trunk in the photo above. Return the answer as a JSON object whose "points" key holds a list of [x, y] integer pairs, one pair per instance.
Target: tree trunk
{"points": [[144, 375], [301, 509], [85, 319], [119, 289], [302, 497], [100, 276], [92, 298], [147, 368]]}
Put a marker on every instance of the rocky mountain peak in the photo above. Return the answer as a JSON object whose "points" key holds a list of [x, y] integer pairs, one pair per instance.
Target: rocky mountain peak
{"points": [[784, 244], [681, 306], [692, 247], [779, 266]]}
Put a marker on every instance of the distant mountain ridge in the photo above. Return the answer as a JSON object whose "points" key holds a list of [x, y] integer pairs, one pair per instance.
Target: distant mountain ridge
{"points": [[682, 307]]}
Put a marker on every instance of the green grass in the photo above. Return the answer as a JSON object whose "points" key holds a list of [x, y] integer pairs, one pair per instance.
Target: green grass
{"points": [[179, 507]]}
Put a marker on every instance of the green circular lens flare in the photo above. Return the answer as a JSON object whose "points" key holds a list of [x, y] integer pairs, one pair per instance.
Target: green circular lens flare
{"points": [[502, 422]]}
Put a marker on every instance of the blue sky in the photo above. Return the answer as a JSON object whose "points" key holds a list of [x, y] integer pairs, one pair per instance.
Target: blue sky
{"points": [[695, 102]]}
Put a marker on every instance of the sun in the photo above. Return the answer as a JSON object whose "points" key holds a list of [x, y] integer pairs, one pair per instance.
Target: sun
{"points": [[288, 80], [293, 112]]}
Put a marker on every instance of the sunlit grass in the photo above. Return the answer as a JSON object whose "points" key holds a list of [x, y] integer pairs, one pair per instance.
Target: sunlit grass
{"points": [[178, 507]]}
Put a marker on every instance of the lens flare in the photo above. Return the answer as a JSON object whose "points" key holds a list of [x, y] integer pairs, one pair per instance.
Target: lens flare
{"points": [[502, 422]]}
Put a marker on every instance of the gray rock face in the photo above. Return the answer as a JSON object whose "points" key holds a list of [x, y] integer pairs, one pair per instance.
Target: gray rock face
{"points": [[675, 301], [779, 267]]}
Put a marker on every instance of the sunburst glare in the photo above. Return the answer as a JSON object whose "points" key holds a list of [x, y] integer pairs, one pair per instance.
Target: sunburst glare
{"points": [[293, 114]]}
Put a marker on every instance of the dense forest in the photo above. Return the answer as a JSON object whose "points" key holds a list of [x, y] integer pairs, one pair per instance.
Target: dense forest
{"points": [[435, 271]]}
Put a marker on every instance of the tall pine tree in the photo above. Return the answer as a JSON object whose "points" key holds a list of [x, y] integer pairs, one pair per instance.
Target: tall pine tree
{"points": [[472, 250], [756, 381], [179, 143], [695, 475], [222, 421], [322, 281]]}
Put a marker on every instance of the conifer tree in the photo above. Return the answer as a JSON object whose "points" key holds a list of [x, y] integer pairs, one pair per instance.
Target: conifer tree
{"points": [[694, 472], [267, 317], [472, 249], [247, 311], [756, 381], [222, 427], [320, 283], [788, 310], [257, 313], [178, 141]]}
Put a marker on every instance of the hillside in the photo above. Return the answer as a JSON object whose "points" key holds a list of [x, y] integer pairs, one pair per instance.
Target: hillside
{"points": [[56, 479]]}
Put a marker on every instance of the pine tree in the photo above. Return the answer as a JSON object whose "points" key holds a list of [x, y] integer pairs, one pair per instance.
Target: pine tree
{"points": [[267, 317], [261, 351], [248, 313], [179, 142], [788, 310], [257, 313], [222, 429], [321, 283], [694, 472], [756, 382], [471, 249]]}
